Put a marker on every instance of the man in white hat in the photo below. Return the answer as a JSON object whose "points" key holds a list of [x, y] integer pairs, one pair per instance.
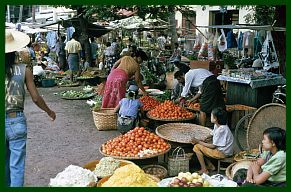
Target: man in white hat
{"points": [[16, 76]]}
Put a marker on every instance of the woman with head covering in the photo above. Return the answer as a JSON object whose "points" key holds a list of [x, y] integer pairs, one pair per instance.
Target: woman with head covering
{"points": [[16, 76]]}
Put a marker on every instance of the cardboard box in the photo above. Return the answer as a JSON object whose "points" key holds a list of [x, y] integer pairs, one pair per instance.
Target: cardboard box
{"points": [[214, 67]]}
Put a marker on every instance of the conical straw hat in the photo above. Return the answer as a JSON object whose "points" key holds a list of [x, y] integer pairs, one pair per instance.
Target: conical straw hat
{"points": [[15, 40]]}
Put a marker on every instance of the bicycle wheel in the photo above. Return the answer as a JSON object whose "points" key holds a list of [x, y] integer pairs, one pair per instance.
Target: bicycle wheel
{"points": [[240, 133]]}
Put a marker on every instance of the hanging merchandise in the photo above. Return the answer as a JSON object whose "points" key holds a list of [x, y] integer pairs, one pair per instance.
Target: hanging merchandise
{"points": [[268, 54], [257, 45], [231, 41], [215, 45], [198, 43], [210, 47], [248, 44], [203, 52], [240, 41], [222, 43]]}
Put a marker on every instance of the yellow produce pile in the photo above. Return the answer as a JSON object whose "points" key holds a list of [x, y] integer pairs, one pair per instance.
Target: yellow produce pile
{"points": [[130, 176]]}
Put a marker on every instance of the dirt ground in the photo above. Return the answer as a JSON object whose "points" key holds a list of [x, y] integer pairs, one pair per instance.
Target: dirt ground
{"points": [[71, 139]]}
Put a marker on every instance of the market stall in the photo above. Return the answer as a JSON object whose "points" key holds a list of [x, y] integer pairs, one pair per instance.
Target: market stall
{"points": [[257, 87]]}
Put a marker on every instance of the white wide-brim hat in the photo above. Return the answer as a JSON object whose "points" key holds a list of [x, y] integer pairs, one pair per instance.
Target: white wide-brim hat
{"points": [[15, 40]]}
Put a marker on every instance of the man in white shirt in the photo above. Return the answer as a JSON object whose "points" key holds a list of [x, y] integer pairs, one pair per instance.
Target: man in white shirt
{"points": [[210, 92], [73, 52]]}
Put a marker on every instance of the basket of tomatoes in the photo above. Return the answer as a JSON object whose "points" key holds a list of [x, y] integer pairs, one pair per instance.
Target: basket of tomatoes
{"points": [[168, 111], [138, 143], [193, 106], [148, 103]]}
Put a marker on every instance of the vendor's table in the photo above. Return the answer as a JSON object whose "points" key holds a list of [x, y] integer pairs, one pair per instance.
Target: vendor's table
{"points": [[253, 93]]}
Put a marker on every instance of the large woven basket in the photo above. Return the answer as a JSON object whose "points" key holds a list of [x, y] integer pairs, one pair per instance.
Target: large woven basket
{"points": [[105, 119], [103, 180], [135, 158], [234, 167], [182, 132], [269, 115], [173, 120]]}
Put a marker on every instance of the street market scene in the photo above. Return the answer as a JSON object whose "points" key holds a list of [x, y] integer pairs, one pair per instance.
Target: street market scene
{"points": [[145, 95]]}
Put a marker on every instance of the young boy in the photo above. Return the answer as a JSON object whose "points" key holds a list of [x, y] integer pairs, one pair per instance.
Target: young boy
{"points": [[222, 141], [128, 110]]}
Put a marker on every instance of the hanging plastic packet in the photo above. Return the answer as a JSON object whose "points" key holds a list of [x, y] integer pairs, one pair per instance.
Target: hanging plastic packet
{"points": [[268, 54], [210, 47], [222, 43], [197, 44], [203, 52], [215, 45]]}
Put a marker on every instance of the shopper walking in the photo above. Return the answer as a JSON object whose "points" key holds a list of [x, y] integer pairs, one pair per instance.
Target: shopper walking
{"points": [[16, 76]]}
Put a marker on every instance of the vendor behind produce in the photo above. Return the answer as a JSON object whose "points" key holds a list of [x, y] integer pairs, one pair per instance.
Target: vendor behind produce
{"points": [[128, 110], [210, 92], [178, 87]]}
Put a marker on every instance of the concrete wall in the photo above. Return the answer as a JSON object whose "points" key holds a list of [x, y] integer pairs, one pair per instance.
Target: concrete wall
{"points": [[203, 17]]}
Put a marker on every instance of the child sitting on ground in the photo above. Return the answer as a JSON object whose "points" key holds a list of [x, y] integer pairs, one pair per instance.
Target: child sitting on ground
{"points": [[222, 141], [270, 168], [128, 110]]}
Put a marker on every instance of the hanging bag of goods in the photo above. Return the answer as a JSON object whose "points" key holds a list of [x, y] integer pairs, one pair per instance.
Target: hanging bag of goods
{"points": [[222, 43], [197, 44], [268, 54], [203, 53], [210, 47], [178, 162]]}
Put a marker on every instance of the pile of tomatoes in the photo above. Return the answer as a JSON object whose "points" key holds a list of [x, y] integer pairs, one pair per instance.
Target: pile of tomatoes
{"points": [[149, 102], [192, 105], [168, 110], [133, 142]]}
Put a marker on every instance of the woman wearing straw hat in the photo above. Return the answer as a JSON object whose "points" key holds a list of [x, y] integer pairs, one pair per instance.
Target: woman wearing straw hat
{"points": [[16, 75]]}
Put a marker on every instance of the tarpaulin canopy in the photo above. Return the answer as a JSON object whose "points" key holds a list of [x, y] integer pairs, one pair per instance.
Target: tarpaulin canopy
{"points": [[136, 22]]}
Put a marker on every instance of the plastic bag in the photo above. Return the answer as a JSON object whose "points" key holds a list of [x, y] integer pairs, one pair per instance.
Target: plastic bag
{"points": [[210, 47], [219, 181], [198, 43], [222, 43], [268, 54]]}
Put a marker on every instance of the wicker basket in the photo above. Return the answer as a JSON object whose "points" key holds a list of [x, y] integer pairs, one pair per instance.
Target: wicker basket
{"points": [[103, 180], [162, 171], [269, 115], [182, 132], [170, 120], [135, 158], [178, 162], [105, 119], [234, 167]]}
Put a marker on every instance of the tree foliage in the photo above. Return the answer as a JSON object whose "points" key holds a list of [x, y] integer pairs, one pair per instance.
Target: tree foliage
{"points": [[109, 12]]}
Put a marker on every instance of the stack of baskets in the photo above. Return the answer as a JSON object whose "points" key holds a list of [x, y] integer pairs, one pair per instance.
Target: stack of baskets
{"points": [[105, 119]]}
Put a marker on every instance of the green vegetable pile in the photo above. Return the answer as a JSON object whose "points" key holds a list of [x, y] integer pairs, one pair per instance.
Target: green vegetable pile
{"points": [[75, 94], [163, 97]]}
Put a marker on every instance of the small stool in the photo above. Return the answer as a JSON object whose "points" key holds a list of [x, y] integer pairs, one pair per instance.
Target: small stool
{"points": [[228, 160]]}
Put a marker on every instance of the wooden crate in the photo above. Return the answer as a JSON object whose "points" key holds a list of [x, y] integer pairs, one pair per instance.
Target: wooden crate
{"points": [[238, 112], [214, 67]]}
